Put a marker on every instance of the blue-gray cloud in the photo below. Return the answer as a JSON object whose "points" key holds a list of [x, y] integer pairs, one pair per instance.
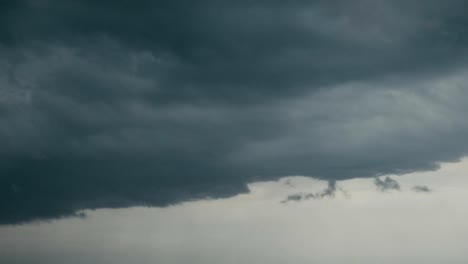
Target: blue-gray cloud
{"points": [[151, 103]]}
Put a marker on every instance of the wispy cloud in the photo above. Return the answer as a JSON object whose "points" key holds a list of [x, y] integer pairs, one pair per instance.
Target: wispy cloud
{"points": [[386, 184], [330, 191], [421, 188]]}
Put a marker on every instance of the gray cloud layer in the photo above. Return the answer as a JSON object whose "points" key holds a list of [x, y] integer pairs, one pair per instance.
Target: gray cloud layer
{"points": [[152, 103]]}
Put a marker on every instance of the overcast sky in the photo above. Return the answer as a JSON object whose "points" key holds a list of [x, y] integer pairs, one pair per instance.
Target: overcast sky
{"points": [[124, 104]]}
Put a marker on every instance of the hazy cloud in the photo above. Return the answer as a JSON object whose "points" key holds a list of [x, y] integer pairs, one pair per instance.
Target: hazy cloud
{"points": [[294, 197], [421, 188]]}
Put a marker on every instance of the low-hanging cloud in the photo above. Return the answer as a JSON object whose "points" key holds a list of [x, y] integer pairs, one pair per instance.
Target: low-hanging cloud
{"points": [[330, 192], [179, 100], [421, 188], [386, 184]]}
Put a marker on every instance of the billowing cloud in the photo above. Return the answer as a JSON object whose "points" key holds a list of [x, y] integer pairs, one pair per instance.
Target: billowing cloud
{"points": [[153, 103]]}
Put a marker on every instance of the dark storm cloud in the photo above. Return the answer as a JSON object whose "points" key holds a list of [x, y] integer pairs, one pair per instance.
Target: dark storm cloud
{"points": [[386, 184], [253, 50], [156, 102]]}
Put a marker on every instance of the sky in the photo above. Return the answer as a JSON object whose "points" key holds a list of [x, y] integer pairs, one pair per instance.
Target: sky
{"points": [[360, 223], [159, 110]]}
